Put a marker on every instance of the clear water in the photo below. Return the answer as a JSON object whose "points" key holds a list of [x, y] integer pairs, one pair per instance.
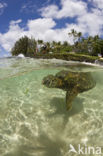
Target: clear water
{"points": [[34, 120]]}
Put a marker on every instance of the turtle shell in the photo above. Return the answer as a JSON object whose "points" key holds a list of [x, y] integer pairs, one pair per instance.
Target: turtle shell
{"points": [[82, 81]]}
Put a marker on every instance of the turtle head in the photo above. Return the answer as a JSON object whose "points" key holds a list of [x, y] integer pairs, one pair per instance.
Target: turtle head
{"points": [[51, 81]]}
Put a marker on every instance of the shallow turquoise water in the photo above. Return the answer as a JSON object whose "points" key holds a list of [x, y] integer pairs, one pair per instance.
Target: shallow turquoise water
{"points": [[34, 120]]}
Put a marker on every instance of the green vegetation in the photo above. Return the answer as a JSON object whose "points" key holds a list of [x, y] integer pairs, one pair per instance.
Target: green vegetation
{"points": [[82, 49], [20, 46], [68, 57], [24, 46]]}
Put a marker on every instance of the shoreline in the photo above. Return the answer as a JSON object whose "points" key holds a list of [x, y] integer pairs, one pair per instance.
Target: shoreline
{"points": [[69, 57]]}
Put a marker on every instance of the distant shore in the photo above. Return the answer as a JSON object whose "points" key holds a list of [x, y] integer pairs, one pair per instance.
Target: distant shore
{"points": [[69, 57]]}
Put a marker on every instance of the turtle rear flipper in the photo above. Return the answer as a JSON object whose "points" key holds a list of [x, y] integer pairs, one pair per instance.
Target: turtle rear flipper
{"points": [[70, 96]]}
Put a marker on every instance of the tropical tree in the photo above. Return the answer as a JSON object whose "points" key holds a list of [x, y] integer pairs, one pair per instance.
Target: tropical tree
{"points": [[101, 46], [93, 44], [40, 42], [79, 36], [32, 45], [48, 47], [73, 34], [20, 46]]}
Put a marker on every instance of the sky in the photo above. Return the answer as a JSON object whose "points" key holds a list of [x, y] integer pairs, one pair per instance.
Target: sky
{"points": [[47, 20]]}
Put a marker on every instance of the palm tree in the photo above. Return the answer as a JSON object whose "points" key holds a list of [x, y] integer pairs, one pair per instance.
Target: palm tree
{"points": [[76, 35], [48, 47], [79, 34], [40, 41], [32, 44], [20, 46], [96, 45]]}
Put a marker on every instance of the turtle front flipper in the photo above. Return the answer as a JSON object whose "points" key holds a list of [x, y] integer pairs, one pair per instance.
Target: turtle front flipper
{"points": [[70, 95]]}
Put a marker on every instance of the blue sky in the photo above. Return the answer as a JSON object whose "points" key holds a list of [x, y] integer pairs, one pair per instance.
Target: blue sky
{"points": [[48, 20]]}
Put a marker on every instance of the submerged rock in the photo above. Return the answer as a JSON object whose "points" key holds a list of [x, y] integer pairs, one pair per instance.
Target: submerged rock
{"points": [[72, 82]]}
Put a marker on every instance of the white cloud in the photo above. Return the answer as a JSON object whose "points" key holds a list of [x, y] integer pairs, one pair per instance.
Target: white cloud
{"points": [[28, 7], [41, 28], [14, 33], [88, 22], [72, 8], [50, 11], [69, 8], [15, 22], [93, 23], [2, 7], [97, 3], [41, 24]]}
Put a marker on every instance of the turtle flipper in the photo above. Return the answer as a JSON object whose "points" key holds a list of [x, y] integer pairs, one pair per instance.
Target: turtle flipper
{"points": [[70, 95]]}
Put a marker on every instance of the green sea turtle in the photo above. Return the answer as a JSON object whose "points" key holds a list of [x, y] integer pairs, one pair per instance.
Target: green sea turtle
{"points": [[72, 82]]}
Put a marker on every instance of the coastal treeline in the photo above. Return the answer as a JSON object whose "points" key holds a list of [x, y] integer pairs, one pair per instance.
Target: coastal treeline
{"points": [[88, 45]]}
